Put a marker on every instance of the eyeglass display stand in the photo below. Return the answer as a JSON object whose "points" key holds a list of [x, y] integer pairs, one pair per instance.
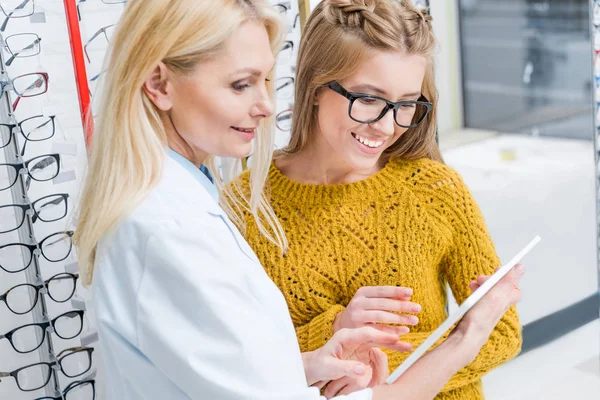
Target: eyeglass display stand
{"points": [[595, 35], [27, 235]]}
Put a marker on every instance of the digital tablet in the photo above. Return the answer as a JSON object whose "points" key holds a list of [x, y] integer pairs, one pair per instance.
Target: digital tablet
{"points": [[460, 312]]}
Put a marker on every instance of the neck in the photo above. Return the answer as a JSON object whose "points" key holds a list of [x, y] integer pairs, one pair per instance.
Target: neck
{"points": [[315, 165], [178, 144]]}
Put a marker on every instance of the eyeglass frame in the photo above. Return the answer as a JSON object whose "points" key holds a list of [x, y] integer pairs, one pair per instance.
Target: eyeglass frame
{"points": [[59, 359], [33, 247], [45, 326], [72, 386], [27, 139], [25, 166], [35, 215], [390, 105], [9, 15], [15, 55], [44, 78], [94, 36], [288, 115], [289, 81], [38, 288]]}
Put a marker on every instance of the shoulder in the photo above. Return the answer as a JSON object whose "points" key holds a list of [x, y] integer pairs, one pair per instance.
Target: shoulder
{"points": [[425, 177], [177, 201], [438, 189]]}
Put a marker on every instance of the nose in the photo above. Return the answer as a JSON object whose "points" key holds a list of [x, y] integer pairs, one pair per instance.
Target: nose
{"points": [[386, 124], [263, 107]]}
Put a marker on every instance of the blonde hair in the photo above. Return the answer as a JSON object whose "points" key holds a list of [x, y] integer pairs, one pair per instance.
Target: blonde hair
{"points": [[127, 153], [334, 43]]}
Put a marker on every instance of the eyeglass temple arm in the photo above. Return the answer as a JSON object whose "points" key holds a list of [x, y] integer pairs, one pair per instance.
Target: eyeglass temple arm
{"points": [[15, 55], [94, 36], [19, 7]]}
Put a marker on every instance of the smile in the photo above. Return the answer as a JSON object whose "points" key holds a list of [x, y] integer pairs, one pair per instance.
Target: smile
{"points": [[369, 143]]}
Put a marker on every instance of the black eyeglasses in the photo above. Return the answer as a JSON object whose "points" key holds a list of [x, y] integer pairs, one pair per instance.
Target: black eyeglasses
{"points": [[287, 51], [23, 298], [17, 257], [78, 390], [72, 362], [282, 7], [30, 337], [24, 9], [284, 87], [47, 209], [368, 109], [22, 45], [33, 129], [41, 168]]}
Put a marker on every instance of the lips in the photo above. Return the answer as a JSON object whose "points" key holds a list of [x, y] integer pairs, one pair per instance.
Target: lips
{"points": [[371, 143]]}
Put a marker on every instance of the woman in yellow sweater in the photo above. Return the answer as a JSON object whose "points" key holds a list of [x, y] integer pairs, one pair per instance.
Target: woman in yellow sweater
{"points": [[364, 197]]}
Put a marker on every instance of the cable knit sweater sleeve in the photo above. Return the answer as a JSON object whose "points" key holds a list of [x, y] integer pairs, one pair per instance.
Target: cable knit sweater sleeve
{"points": [[319, 330], [470, 254]]}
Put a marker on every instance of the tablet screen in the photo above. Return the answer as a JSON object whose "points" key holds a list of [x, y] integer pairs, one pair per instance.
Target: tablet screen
{"points": [[460, 312]]}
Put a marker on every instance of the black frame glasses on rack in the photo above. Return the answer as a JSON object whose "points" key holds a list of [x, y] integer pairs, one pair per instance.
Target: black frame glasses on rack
{"points": [[21, 299], [76, 388], [287, 51], [30, 337], [373, 108], [41, 168], [25, 9], [22, 45], [25, 252], [283, 7], [34, 129], [63, 359], [47, 209], [284, 87]]}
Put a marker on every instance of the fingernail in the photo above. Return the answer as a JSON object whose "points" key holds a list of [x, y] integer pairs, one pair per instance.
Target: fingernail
{"points": [[417, 308], [413, 320], [359, 369], [408, 292], [404, 330], [520, 269]]}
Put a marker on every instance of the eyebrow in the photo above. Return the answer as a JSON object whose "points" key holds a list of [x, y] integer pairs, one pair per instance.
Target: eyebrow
{"points": [[381, 92], [251, 71]]}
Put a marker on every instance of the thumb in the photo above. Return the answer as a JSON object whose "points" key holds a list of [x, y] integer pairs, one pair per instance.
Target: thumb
{"points": [[353, 369]]}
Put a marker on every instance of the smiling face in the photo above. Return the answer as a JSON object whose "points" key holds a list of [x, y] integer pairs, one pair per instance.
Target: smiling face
{"points": [[217, 108], [345, 143]]}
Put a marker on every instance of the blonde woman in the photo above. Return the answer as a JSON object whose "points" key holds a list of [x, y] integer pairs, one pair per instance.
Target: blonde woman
{"points": [[184, 308], [364, 197]]}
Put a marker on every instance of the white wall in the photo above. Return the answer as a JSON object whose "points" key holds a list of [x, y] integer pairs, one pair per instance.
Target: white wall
{"points": [[448, 72]]}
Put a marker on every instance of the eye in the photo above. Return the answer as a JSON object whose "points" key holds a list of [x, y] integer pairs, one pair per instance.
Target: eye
{"points": [[367, 100], [409, 105], [240, 86]]}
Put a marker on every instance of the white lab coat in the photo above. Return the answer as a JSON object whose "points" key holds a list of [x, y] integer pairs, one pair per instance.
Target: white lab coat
{"points": [[184, 308]]}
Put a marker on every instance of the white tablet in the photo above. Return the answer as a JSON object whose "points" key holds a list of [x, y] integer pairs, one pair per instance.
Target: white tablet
{"points": [[458, 314]]}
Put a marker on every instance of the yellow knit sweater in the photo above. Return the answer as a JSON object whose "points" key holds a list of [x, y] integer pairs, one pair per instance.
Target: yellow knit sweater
{"points": [[412, 224]]}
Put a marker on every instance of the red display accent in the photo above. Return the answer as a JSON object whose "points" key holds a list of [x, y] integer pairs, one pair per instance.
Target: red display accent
{"points": [[83, 90]]}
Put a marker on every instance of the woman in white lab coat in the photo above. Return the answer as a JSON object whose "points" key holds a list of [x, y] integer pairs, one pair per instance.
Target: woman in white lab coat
{"points": [[184, 308]]}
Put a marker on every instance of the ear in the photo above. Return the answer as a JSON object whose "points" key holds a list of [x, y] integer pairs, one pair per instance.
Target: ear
{"points": [[158, 87], [317, 97]]}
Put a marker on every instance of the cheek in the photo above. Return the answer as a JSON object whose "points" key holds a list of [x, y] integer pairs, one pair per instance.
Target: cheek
{"points": [[397, 135], [334, 120]]}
